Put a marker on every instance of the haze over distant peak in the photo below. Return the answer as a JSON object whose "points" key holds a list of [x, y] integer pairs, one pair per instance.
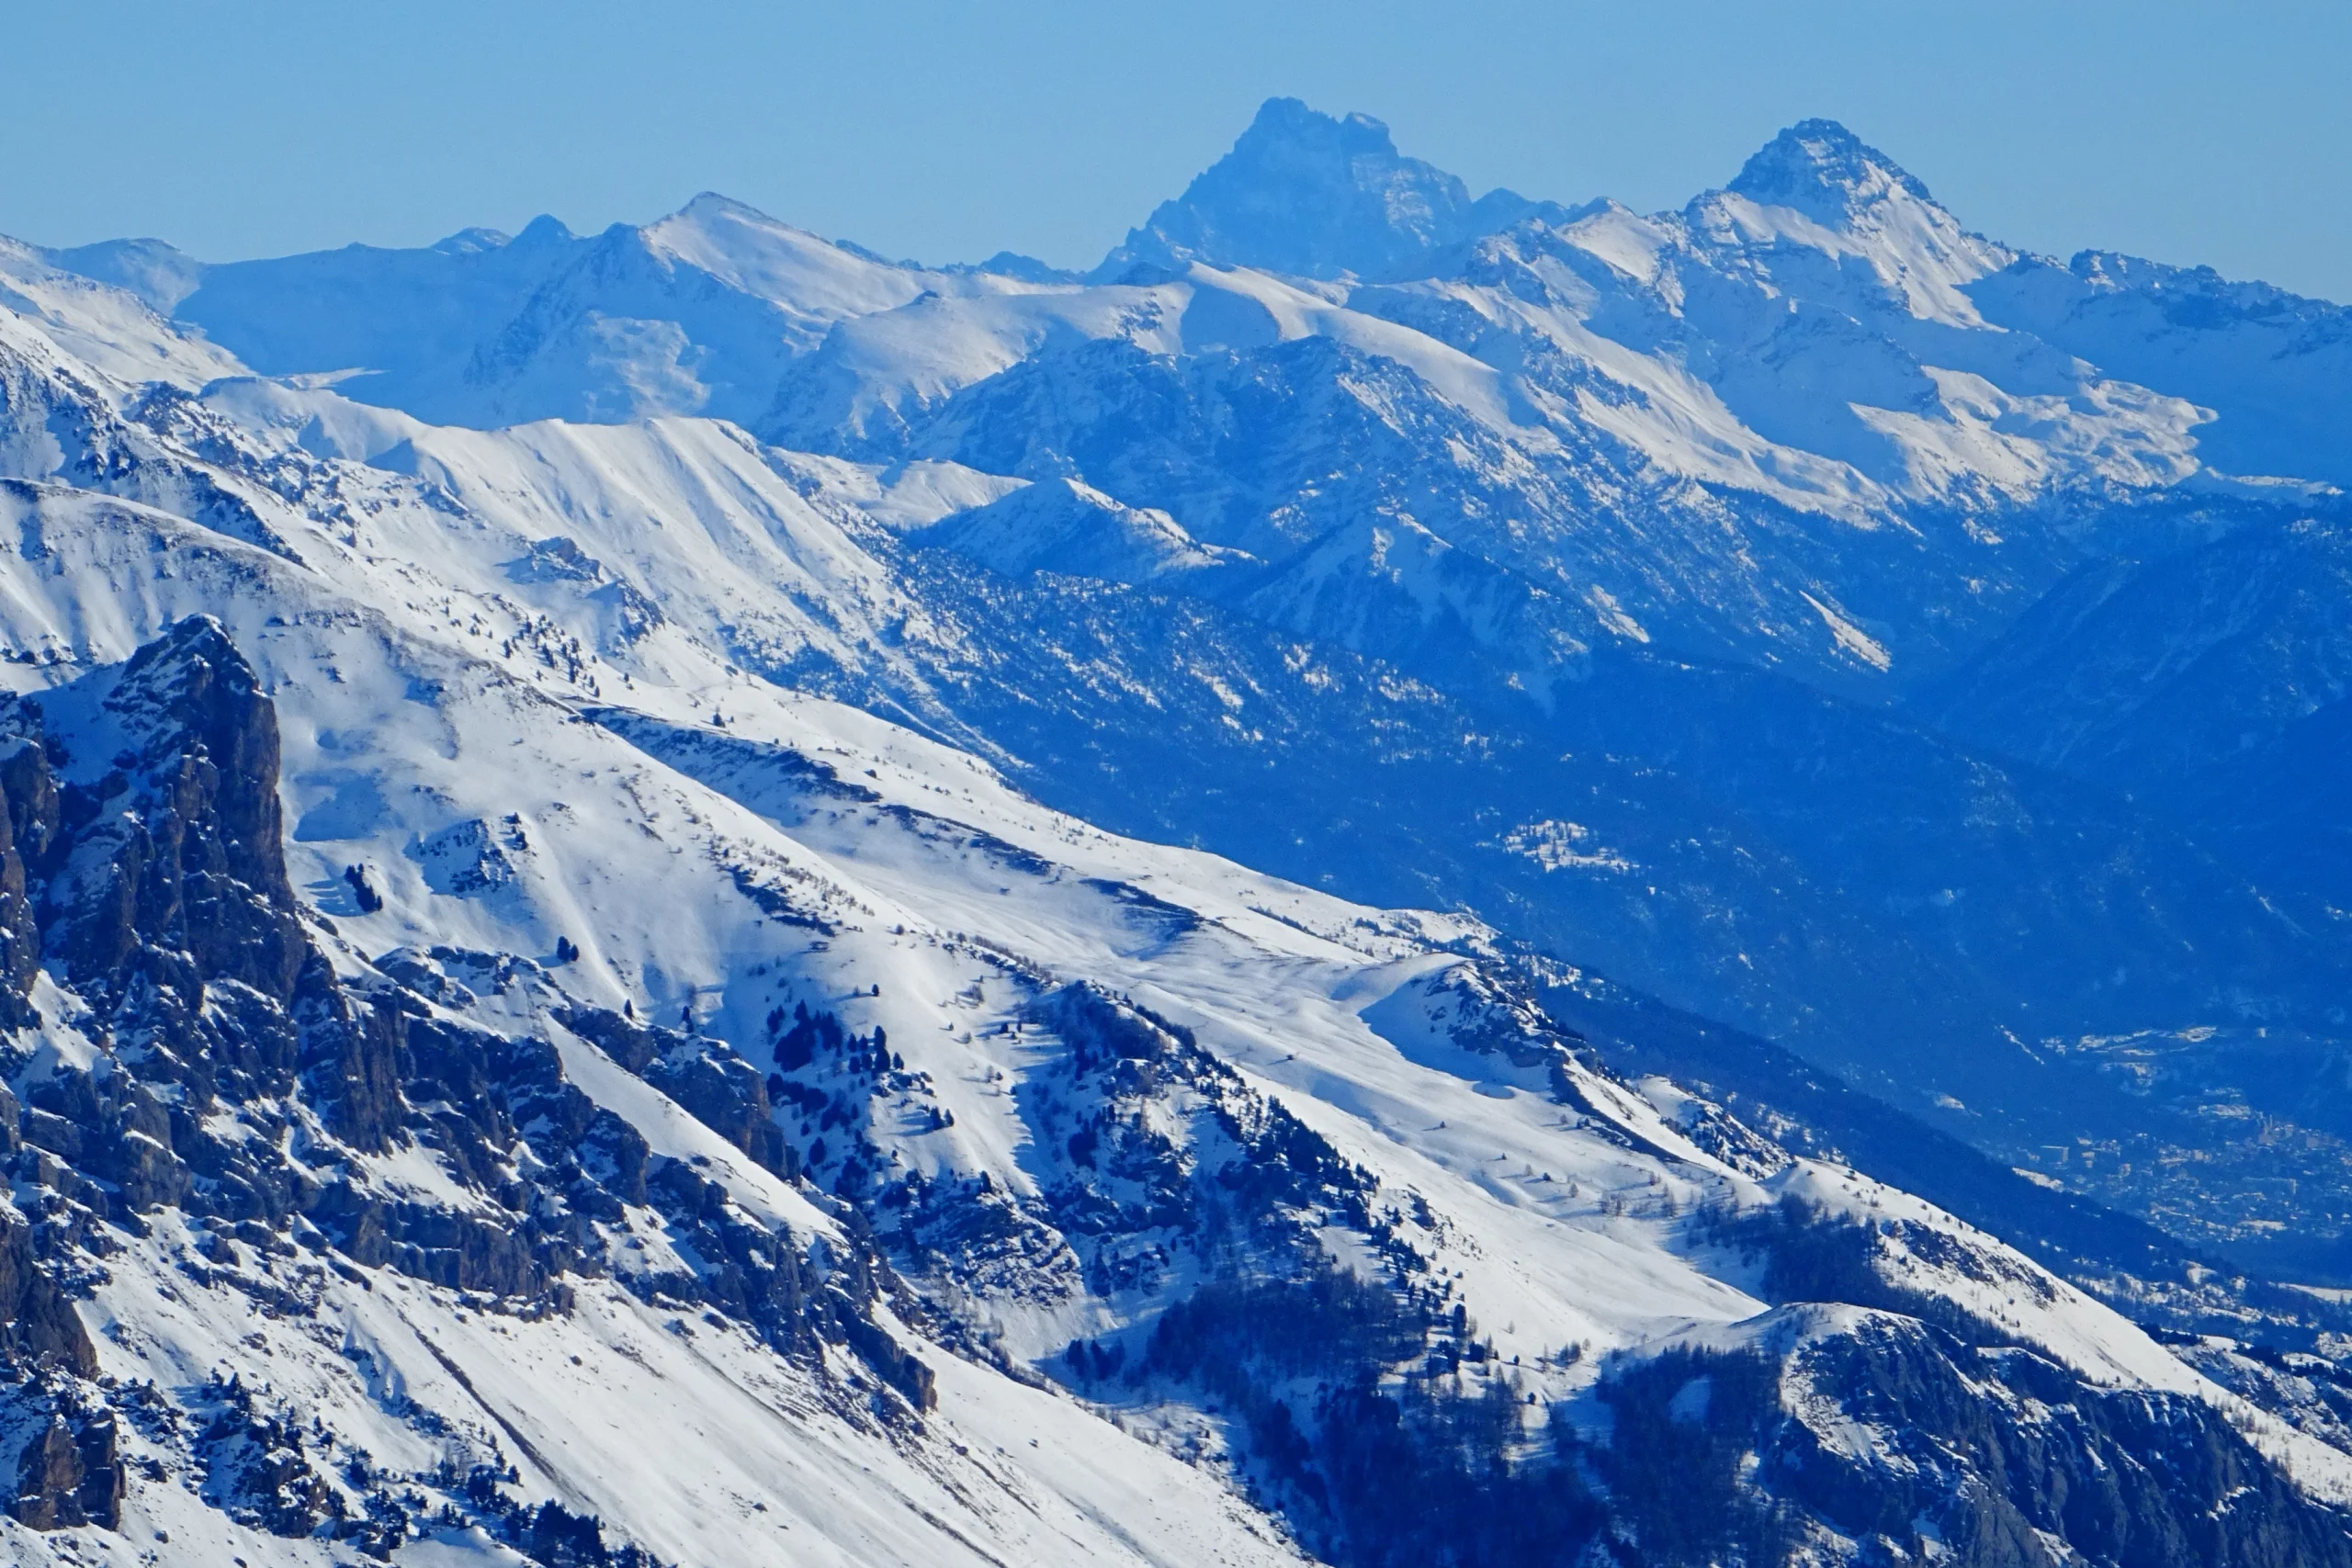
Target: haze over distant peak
{"points": [[1305, 193]]}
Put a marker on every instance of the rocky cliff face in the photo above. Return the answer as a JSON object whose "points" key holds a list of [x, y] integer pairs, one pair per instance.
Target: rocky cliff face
{"points": [[207, 1068], [202, 1062]]}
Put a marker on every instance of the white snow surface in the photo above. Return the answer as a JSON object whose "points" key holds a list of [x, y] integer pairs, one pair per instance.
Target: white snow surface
{"points": [[530, 636]]}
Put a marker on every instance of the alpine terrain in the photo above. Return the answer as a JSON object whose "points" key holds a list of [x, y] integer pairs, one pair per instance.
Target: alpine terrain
{"points": [[1411, 877]]}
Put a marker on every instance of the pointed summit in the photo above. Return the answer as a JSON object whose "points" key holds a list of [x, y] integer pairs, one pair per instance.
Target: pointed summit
{"points": [[1818, 188], [1824, 171], [1308, 194]]}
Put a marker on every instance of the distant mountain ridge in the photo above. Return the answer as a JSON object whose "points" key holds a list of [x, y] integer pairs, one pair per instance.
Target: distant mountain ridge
{"points": [[615, 322], [1306, 193]]}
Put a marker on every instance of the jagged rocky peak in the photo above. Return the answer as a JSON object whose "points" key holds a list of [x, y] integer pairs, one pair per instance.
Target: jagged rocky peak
{"points": [[1848, 198], [1824, 171], [1310, 194], [171, 828]]}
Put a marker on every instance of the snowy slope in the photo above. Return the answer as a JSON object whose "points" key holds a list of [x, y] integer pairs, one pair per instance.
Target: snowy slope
{"points": [[690, 1436], [698, 311], [105, 327], [660, 1093], [2270, 365], [1063, 525], [1284, 984]]}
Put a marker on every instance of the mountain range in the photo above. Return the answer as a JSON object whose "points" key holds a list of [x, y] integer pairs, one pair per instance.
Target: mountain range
{"points": [[1379, 884]]}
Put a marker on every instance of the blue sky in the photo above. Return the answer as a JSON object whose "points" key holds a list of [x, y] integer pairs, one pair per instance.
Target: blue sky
{"points": [[945, 130]]}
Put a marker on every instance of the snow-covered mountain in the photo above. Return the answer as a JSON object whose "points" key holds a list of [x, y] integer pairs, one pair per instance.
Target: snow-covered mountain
{"points": [[1474, 496], [687, 896], [1832, 460], [2270, 365], [1307, 195], [695, 314]]}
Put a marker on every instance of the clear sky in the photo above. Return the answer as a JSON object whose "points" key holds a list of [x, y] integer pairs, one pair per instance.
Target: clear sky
{"points": [[945, 130]]}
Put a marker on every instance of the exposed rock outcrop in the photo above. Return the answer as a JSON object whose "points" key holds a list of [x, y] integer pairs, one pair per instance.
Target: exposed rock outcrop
{"points": [[235, 1081]]}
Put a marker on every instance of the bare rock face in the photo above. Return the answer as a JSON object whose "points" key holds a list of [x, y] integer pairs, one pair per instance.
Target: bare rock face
{"points": [[27, 828], [180, 847], [37, 1325], [104, 1485], [69, 1474], [708, 1077], [141, 862]]}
